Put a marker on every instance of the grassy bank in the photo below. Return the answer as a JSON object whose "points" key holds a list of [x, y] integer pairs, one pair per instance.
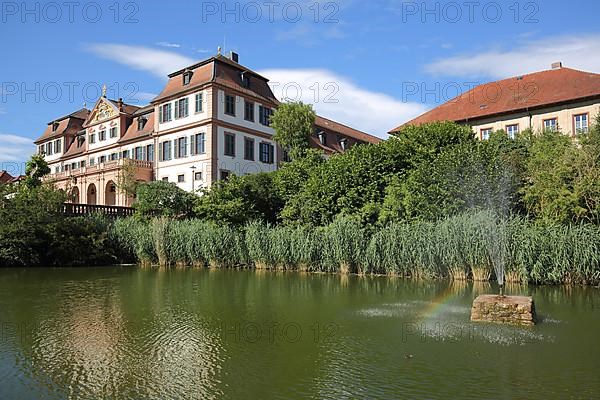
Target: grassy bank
{"points": [[460, 248]]}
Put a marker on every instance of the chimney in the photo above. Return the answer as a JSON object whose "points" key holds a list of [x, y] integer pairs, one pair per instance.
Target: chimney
{"points": [[120, 104], [235, 57], [557, 65]]}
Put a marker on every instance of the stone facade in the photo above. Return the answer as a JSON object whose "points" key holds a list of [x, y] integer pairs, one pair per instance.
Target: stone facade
{"points": [[515, 310]]}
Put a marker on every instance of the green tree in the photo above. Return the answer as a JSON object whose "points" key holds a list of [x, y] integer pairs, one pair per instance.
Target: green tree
{"points": [[548, 192], [127, 183], [354, 183], [293, 124], [35, 169], [586, 182], [290, 179], [164, 199], [468, 176], [241, 199]]}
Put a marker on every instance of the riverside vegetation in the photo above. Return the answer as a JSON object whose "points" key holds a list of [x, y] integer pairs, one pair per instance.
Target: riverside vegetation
{"points": [[433, 202]]}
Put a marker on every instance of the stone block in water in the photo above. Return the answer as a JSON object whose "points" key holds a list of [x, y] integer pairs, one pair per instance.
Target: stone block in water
{"points": [[515, 310]]}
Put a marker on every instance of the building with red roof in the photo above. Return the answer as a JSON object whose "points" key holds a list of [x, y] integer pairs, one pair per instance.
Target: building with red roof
{"points": [[210, 120], [561, 98]]}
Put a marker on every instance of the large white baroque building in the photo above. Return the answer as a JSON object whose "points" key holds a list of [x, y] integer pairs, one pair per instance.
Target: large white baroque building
{"points": [[211, 120]]}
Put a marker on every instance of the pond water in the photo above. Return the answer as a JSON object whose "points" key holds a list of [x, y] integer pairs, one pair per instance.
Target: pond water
{"points": [[129, 333]]}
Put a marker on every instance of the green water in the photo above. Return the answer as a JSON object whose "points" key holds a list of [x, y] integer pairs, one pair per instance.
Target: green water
{"points": [[127, 333]]}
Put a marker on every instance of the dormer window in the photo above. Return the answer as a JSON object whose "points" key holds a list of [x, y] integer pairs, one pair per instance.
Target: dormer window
{"points": [[343, 143], [141, 123], [322, 137], [54, 126], [187, 77], [245, 79]]}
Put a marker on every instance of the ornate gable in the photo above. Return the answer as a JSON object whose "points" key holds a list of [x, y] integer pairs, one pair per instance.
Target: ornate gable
{"points": [[103, 111]]}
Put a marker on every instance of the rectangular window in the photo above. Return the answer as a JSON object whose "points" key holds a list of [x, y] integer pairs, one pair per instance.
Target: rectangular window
{"points": [[198, 176], [92, 138], [230, 105], [198, 102], [512, 131], [249, 149], [485, 133], [114, 156], [165, 150], [267, 153], [181, 108], [180, 178], [113, 132], [181, 147], [139, 153], [57, 146], [264, 115], [92, 161], [102, 160], [581, 123], [150, 153], [249, 111], [230, 144], [225, 175], [141, 123], [49, 148], [164, 113], [165, 179], [102, 135], [187, 78], [198, 145], [125, 154], [551, 124]]}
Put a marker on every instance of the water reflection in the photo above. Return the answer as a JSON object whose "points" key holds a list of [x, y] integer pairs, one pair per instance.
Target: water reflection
{"points": [[202, 334]]}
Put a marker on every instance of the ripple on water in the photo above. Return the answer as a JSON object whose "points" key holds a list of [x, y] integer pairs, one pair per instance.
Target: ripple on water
{"points": [[451, 322]]}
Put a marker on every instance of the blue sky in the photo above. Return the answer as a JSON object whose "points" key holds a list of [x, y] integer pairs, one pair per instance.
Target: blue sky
{"points": [[370, 64]]}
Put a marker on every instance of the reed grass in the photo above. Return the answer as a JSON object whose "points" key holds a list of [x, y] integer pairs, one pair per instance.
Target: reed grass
{"points": [[464, 247]]}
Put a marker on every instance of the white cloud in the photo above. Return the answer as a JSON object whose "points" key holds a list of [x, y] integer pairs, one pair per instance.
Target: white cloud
{"points": [[14, 150], [333, 96], [142, 97], [157, 62], [338, 98], [575, 51], [168, 44]]}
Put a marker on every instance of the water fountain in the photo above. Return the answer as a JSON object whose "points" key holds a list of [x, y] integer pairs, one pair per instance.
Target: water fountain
{"points": [[517, 310]]}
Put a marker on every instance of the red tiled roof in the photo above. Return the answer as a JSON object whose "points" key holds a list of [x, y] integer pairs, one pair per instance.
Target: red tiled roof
{"points": [[133, 133], [221, 70], [202, 74], [17, 179], [540, 89], [336, 127], [69, 124], [76, 148], [127, 108], [5, 177]]}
